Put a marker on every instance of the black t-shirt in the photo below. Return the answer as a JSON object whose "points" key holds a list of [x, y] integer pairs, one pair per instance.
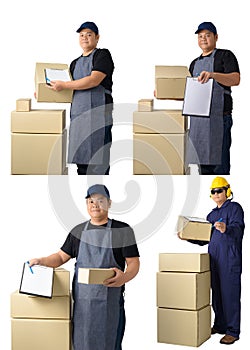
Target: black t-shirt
{"points": [[224, 62], [102, 62], [123, 241]]}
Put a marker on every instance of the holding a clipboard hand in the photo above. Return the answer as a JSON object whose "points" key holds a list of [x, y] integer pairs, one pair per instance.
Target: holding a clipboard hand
{"points": [[211, 137]]}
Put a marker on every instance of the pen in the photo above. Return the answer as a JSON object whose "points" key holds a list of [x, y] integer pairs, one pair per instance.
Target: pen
{"points": [[220, 220], [31, 270]]}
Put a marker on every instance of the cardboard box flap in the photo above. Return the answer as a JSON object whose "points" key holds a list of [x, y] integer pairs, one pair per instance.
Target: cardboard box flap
{"points": [[195, 219], [171, 72]]}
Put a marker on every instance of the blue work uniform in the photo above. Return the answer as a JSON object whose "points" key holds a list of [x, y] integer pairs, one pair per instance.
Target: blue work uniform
{"points": [[225, 251]]}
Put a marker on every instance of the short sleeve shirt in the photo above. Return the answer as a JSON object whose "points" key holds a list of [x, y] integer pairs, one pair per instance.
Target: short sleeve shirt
{"points": [[123, 241], [102, 62], [224, 62]]}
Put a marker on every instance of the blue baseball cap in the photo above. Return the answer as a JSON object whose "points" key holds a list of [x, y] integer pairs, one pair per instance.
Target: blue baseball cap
{"points": [[207, 25], [98, 189], [88, 25]]}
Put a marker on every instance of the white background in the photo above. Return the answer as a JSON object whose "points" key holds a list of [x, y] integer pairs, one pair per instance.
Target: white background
{"points": [[139, 35]]}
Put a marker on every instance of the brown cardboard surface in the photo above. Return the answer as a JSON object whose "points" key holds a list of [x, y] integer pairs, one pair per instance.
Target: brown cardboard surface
{"points": [[34, 334], [196, 230], [40, 121], [94, 275], [23, 104], [166, 121], [170, 82], [38, 154], [183, 290], [61, 282], [184, 262], [43, 92], [182, 327], [25, 306], [158, 154], [145, 104]]}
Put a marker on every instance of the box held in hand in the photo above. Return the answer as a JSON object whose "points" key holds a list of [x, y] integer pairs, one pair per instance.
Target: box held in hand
{"points": [[170, 82], [94, 275], [43, 92], [194, 228]]}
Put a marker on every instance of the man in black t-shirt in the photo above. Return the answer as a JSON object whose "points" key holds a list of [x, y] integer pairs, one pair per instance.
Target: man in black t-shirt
{"points": [[224, 69], [90, 134], [98, 243]]}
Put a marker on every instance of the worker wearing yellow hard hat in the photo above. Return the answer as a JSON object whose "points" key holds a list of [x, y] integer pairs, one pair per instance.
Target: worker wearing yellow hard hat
{"points": [[225, 249]]}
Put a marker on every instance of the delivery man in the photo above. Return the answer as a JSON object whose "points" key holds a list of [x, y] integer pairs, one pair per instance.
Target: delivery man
{"points": [[98, 314], [225, 249], [211, 137], [90, 134]]}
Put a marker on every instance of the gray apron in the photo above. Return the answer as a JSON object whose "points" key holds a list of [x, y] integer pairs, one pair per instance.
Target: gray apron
{"points": [[206, 133], [96, 307], [87, 118]]}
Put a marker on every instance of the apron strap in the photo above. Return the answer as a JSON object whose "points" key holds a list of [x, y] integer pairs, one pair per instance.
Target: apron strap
{"points": [[109, 223]]}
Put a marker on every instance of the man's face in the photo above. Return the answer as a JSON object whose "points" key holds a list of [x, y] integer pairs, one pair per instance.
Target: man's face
{"points": [[207, 40], [98, 206], [88, 39], [219, 195]]}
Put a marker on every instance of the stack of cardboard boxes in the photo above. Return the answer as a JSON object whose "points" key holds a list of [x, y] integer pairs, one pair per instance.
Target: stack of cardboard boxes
{"points": [[39, 137], [43, 323], [183, 299], [160, 135]]}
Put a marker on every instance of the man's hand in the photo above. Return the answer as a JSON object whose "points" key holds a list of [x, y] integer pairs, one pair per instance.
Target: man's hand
{"points": [[117, 281], [204, 76], [57, 85], [220, 226], [34, 262]]}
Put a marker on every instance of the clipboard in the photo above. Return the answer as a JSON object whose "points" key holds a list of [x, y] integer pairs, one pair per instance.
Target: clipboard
{"points": [[197, 98], [56, 74], [37, 280]]}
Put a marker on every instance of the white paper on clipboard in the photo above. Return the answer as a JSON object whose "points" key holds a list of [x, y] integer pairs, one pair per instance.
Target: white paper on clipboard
{"points": [[197, 97], [57, 74], [37, 280]]}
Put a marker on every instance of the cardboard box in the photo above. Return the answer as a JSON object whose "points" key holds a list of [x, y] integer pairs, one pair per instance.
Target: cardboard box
{"points": [[182, 327], [39, 121], [26, 306], [159, 154], [145, 105], [170, 82], [94, 275], [23, 105], [38, 154], [168, 121], [34, 334], [61, 282], [184, 262], [43, 93], [194, 228], [183, 290]]}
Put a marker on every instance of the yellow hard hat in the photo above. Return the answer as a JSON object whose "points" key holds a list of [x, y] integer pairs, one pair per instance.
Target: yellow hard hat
{"points": [[219, 182]]}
